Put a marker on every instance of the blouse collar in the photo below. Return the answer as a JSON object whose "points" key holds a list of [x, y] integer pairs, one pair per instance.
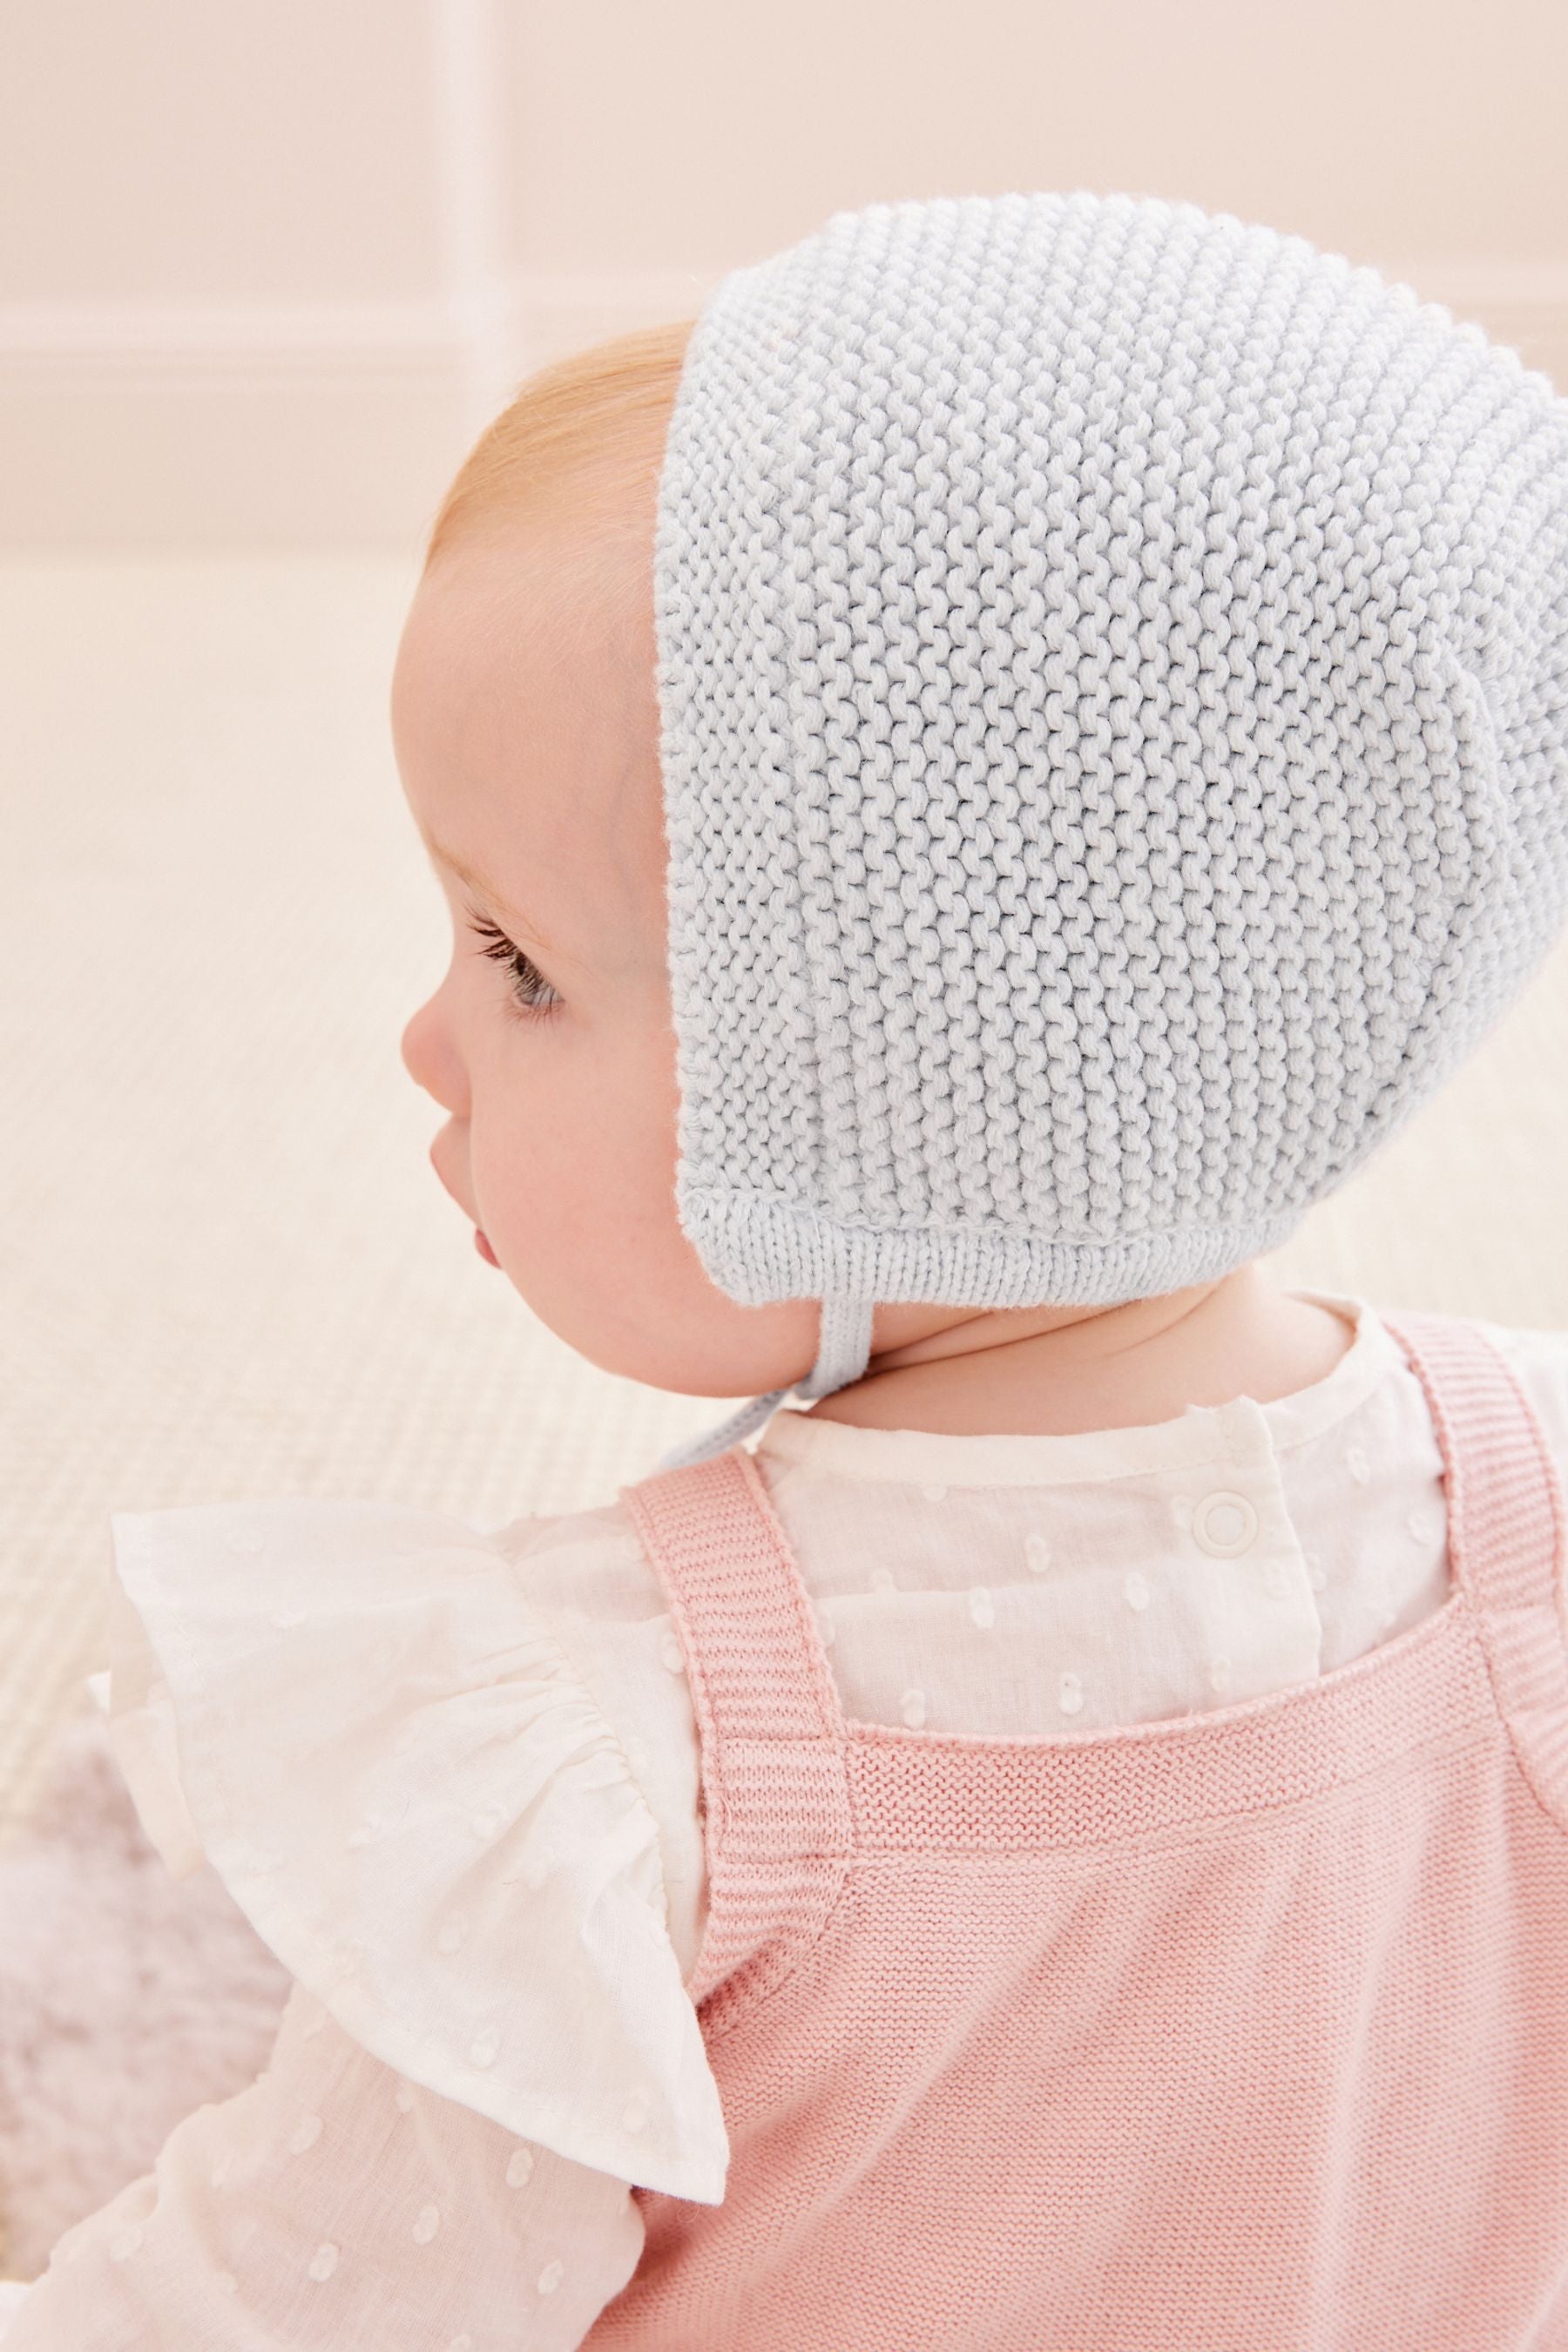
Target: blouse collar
{"points": [[842, 1449]]}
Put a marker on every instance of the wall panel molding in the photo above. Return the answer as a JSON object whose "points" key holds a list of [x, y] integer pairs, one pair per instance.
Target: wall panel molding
{"points": [[342, 424]]}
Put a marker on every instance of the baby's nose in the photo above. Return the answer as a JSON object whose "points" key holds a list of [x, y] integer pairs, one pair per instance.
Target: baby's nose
{"points": [[407, 1047], [420, 1053]]}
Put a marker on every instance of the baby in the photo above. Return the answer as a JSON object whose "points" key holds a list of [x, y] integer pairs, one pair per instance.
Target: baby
{"points": [[974, 783], [526, 721]]}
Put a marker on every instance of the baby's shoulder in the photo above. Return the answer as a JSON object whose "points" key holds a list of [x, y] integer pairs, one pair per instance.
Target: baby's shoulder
{"points": [[1537, 1357], [388, 1733], [583, 1564]]}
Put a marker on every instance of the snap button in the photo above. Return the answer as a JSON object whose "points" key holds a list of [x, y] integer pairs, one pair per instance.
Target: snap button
{"points": [[1225, 1524]]}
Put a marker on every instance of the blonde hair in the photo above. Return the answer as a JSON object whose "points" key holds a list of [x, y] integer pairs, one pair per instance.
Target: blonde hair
{"points": [[582, 436]]}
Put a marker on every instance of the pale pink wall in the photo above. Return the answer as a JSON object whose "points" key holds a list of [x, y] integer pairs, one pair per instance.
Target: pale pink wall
{"points": [[266, 265], [704, 133]]}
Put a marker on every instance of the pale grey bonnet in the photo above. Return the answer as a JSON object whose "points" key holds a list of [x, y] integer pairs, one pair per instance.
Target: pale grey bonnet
{"points": [[1113, 680]]}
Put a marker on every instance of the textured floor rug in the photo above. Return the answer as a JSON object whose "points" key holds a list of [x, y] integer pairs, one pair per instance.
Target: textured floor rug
{"points": [[128, 1999]]}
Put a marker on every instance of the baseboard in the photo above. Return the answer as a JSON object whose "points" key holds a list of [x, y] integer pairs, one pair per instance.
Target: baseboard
{"points": [[342, 424]]}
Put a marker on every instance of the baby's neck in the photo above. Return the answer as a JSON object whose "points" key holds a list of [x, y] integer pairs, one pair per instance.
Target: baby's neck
{"points": [[1248, 1337]]}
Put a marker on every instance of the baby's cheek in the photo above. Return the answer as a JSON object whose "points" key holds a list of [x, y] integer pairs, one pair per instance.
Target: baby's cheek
{"points": [[592, 1164], [576, 1193]]}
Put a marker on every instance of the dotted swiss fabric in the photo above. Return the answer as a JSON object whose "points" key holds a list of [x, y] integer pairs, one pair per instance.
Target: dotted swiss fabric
{"points": [[1113, 666], [476, 1844]]}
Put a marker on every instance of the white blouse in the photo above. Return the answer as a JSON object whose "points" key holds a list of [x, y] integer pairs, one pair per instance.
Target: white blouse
{"points": [[451, 1779]]}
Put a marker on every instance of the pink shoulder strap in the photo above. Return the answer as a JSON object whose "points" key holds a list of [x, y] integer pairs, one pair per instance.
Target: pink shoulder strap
{"points": [[778, 1835], [1508, 1534], [780, 1831]]}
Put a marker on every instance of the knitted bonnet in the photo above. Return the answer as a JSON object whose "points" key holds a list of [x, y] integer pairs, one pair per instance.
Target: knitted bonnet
{"points": [[1113, 687]]}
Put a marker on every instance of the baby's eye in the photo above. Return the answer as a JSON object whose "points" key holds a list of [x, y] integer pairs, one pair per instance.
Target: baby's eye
{"points": [[530, 991]]}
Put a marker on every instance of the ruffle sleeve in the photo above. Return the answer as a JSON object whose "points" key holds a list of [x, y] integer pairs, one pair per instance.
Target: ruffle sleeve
{"points": [[352, 1711]]}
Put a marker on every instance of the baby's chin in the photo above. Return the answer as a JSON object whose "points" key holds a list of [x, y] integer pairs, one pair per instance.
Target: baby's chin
{"points": [[723, 1350]]}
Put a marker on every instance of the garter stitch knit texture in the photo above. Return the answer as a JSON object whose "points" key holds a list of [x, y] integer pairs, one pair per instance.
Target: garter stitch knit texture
{"points": [[1113, 680]]}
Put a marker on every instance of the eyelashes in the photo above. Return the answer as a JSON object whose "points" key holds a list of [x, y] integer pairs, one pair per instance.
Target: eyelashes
{"points": [[530, 992]]}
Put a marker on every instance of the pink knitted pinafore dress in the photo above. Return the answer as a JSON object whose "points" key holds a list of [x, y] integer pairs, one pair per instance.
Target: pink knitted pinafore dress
{"points": [[1246, 2028]]}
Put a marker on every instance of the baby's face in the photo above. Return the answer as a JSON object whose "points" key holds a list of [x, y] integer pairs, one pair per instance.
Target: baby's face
{"points": [[525, 720]]}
